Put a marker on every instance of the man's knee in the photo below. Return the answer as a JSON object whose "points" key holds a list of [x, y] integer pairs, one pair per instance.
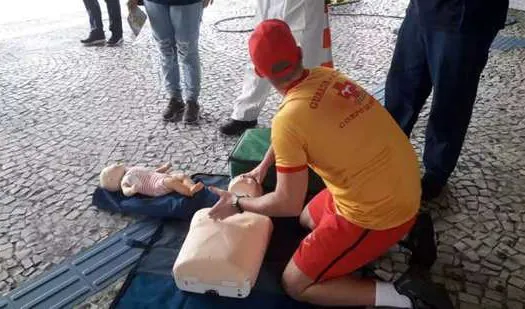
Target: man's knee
{"points": [[295, 282], [291, 287]]}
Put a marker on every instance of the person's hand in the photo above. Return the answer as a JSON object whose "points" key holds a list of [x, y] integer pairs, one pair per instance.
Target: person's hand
{"points": [[258, 174], [206, 3], [224, 206], [132, 4]]}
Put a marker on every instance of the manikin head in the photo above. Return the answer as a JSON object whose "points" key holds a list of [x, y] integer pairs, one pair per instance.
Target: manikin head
{"points": [[243, 185], [275, 54], [111, 176]]}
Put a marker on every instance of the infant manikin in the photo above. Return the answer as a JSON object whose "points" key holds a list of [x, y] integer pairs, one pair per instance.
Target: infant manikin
{"points": [[224, 257], [141, 180]]}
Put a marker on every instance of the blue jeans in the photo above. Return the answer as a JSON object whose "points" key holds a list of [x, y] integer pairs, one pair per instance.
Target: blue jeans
{"points": [[95, 17], [449, 62], [176, 30]]}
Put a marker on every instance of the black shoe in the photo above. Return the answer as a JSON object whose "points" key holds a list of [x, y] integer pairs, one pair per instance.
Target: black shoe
{"points": [[94, 39], [422, 243], [115, 40], [237, 127], [174, 110], [430, 187], [424, 294], [191, 113]]}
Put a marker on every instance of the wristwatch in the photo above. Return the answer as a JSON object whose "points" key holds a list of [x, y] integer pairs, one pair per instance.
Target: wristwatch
{"points": [[236, 203]]}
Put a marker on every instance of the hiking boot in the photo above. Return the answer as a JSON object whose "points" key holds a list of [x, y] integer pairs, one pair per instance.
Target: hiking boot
{"points": [[421, 242], [174, 110], [431, 188], [115, 40], [94, 39], [237, 127], [191, 113], [415, 284]]}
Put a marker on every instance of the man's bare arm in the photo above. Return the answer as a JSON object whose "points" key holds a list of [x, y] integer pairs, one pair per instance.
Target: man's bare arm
{"points": [[286, 201]]}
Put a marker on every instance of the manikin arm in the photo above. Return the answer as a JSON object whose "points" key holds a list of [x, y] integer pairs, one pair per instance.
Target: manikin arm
{"points": [[129, 190], [164, 168]]}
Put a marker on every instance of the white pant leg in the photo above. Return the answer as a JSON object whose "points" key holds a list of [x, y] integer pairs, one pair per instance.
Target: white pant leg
{"points": [[306, 20], [255, 90], [310, 38]]}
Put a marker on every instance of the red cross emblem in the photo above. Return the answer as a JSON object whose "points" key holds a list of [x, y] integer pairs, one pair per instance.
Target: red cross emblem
{"points": [[346, 89]]}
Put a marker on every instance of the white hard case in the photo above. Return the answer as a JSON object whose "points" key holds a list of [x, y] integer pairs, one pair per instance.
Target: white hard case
{"points": [[222, 257]]}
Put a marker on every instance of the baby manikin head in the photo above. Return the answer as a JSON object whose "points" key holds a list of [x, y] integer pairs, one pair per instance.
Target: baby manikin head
{"points": [[111, 176], [243, 185]]}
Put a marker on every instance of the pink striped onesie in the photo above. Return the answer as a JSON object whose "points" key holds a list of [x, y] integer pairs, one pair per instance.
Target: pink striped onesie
{"points": [[148, 182]]}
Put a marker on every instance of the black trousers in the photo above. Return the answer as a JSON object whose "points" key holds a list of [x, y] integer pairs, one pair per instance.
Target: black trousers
{"points": [[448, 62]]}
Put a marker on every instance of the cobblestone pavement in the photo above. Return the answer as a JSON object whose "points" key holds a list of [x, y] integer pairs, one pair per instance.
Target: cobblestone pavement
{"points": [[68, 110]]}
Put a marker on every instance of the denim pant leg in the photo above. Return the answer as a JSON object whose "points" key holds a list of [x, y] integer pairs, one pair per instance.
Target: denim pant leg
{"points": [[95, 17], [408, 83], [186, 20], [115, 17], [456, 63], [164, 35]]}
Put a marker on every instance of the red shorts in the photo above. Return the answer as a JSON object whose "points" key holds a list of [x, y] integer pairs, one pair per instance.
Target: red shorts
{"points": [[337, 247]]}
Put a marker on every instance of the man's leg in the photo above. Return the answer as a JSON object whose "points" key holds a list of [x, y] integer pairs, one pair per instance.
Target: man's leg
{"points": [[408, 83], [314, 36], [115, 21], [164, 35], [96, 35], [456, 62], [186, 20], [319, 271], [255, 90]]}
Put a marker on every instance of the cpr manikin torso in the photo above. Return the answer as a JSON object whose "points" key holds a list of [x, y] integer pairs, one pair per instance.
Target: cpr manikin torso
{"points": [[224, 257]]}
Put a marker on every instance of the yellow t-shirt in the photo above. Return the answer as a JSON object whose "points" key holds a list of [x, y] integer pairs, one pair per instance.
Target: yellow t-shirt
{"points": [[331, 124]]}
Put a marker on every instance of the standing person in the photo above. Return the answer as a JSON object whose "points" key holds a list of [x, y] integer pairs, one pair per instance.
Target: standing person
{"points": [[442, 44], [329, 123], [176, 27], [97, 36], [308, 20]]}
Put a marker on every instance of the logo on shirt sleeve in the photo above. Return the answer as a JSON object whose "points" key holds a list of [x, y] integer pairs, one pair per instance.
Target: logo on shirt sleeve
{"points": [[347, 89]]}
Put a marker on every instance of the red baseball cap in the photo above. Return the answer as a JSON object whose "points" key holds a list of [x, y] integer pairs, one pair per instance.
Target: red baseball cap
{"points": [[273, 49]]}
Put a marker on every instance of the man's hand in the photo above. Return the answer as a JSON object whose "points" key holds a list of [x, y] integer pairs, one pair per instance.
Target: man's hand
{"points": [[224, 206], [206, 3], [258, 173], [132, 4]]}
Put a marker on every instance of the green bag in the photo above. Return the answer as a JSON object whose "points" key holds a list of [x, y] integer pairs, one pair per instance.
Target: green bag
{"points": [[249, 152]]}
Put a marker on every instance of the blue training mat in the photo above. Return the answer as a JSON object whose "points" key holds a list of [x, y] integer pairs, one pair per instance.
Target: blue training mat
{"points": [[83, 275], [379, 94], [506, 43]]}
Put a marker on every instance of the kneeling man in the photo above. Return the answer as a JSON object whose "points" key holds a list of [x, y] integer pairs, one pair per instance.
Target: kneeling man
{"points": [[332, 125]]}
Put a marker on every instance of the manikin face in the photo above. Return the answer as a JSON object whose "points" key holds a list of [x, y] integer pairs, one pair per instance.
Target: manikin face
{"points": [[242, 185], [111, 176]]}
